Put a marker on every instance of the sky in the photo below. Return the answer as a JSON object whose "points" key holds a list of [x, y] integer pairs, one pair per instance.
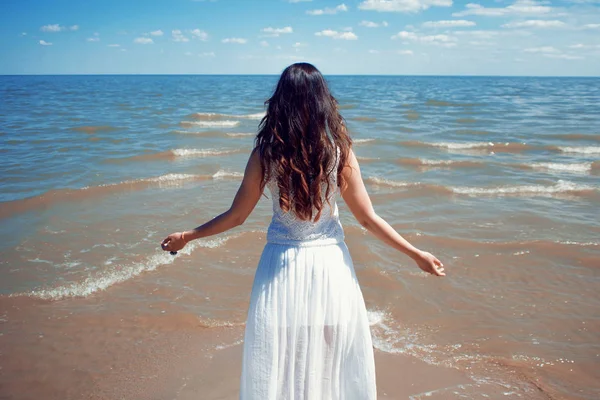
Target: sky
{"points": [[375, 37]]}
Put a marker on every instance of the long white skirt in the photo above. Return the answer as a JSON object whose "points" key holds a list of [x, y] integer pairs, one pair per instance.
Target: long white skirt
{"points": [[307, 333]]}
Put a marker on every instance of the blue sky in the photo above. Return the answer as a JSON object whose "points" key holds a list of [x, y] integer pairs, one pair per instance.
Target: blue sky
{"points": [[439, 37]]}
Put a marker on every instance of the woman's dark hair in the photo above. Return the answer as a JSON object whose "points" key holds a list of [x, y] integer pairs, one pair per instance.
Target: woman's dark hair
{"points": [[299, 138]]}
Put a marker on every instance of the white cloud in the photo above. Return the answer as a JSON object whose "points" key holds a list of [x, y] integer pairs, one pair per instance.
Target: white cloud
{"points": [[543, 49], [264, 43], [479, 34], [44, 43], [371, 24], [592, 26], [552, 52], [23, 33], [439, 40], [298, 1], [405, 52], [406, 6], [114, 45], [93, 39], [335, 10], [535, 23], [519, 7], [58, 28], [208, 54], [274, 32], [564, 56], [177, 36], [235, 40], [337, 35], [584, 46], [448, 24], [298, 45], [52, 28], [373, 51], [156, 33], [143, 40], [188, 53], [199, 34]]}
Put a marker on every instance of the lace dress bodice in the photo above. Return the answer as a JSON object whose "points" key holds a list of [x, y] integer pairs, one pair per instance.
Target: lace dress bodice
{"points": [[286, 228]]}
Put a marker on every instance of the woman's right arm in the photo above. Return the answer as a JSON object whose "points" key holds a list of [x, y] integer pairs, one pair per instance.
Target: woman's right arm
{"points": [[356, 197]]}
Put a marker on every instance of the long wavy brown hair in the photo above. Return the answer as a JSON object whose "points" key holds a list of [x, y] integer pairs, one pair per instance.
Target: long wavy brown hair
{"points": [[298, 141]]}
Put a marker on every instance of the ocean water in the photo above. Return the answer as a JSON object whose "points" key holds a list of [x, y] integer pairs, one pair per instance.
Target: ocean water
{"points": [[499, 177]]}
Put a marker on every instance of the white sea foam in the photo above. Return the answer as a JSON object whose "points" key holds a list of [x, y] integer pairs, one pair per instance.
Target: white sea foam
{"points": [[578, 243], [437, 162], [117, 274], [240, 134], [222, 174], [202, 152], [581, 150], [160, 179], [255, 116], [560, 187], [360, 141], [462, 146], [386, 182], [168, 178], [228, 345], [213, 124], [575, 168]]}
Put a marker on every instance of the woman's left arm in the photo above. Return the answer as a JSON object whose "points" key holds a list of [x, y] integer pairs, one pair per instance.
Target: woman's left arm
{"points": [[244, 202]]}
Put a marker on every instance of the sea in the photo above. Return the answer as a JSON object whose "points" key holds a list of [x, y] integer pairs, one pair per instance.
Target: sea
{"points": [[499, 177]]}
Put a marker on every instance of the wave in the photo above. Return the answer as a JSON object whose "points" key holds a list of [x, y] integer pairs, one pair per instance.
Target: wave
{"points": [[508, 147], [422, 163], [558, 189], [363, 141], [427, 188], [240, 134], [121, 273], [180, 153], [217, 116], [366, 160], [559, 167], [205, 152], [221, 174], [580, 149], [210, 124], [52, 197]]}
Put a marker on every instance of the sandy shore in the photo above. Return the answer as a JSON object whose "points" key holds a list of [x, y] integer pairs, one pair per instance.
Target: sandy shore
{"points": [[103, 356]]}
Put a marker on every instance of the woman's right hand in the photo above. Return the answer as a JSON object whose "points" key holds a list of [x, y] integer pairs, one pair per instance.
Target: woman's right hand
{"points": [[429, 263]]}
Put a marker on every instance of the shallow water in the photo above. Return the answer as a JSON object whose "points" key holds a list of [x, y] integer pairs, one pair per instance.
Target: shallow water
{"points": [[499, 177]]}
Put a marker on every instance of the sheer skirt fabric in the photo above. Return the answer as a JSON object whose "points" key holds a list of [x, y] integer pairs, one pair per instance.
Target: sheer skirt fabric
{"points": [[307, 333]]}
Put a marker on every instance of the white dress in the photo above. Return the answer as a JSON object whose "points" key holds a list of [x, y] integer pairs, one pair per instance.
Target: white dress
{"points": [[307, 333]]}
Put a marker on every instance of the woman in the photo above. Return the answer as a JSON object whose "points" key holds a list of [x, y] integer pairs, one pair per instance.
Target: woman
{"points": [[307, 334]]}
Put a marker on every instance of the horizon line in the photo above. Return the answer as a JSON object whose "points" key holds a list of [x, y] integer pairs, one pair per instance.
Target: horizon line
{"points": [[277, 74]]}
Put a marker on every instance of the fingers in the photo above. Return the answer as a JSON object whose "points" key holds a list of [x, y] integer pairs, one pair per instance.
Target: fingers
{"points": [[438, 268]]}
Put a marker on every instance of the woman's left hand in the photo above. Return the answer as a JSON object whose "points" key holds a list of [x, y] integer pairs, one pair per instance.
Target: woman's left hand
{"points": [[173, 242]]}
